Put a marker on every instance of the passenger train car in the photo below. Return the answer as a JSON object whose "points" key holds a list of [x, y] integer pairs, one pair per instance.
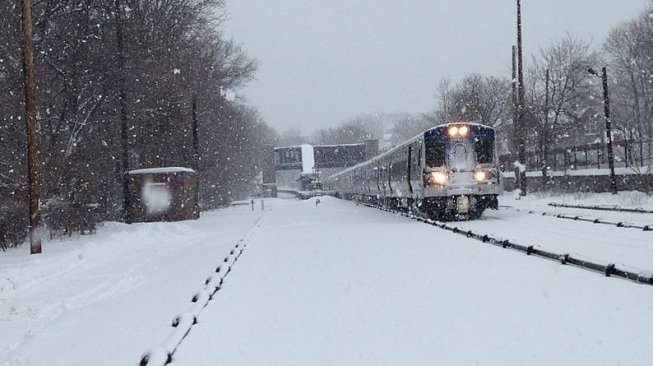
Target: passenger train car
{"points": [[447, 172]]}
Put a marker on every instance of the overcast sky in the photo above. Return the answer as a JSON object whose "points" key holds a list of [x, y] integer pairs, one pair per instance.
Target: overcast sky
{"points": [[323, 62]]}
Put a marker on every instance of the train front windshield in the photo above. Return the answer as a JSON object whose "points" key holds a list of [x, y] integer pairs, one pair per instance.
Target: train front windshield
{"points": [[435, 152], [484, 149], [444, 151]]}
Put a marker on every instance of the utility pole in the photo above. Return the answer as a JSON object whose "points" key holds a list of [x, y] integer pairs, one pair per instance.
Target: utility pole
{"points": [[515, 107], [545, 132], [608, 125], [33, 151], [196, 156], [608, 129], [196, 146], [124, 131], [521, 130]]}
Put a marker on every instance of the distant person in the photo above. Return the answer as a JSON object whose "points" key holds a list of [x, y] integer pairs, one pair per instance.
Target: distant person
{"points": [[317, 202]]}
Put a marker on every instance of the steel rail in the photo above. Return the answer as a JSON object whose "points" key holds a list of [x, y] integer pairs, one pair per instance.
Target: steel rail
{"points": [[608, 270], [620, 224], [602, 208]]}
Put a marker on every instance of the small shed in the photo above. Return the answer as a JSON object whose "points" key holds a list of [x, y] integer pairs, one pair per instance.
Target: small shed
{"points": [[163, 194]]}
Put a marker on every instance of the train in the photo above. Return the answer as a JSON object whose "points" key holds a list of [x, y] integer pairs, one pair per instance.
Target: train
{"points": [[448, 172]]}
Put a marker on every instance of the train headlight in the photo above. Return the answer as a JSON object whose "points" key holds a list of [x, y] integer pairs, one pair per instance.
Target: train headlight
{"points": [[481, 176], [458, 131], [438, 178]]}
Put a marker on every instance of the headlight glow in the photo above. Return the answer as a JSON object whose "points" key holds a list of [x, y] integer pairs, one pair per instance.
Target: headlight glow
{"points": [[439, 178], [481, 176], [458, 131]]}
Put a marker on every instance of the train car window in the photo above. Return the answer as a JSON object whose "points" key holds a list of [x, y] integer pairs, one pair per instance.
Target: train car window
{"points": [[415, 162], [435, 153], [484, 151]]}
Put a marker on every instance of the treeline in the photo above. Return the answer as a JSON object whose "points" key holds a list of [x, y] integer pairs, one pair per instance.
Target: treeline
{"points": [[173, 53], [563, 101]]}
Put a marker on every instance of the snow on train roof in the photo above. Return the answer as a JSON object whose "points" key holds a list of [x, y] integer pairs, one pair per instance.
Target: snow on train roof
{"points": [[162, 170]]}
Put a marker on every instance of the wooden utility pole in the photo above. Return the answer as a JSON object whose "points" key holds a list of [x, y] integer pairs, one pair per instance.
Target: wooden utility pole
{"points": [[124, 131], [33, 152], [521, 129]]}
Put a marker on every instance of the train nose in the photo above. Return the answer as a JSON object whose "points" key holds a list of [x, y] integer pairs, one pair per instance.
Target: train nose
{"points": [[462, 204]]}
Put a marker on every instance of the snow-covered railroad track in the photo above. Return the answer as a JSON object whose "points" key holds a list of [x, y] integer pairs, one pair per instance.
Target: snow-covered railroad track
{"points": [[182, 324], [608, 268], [603, 208], [617, 223]]}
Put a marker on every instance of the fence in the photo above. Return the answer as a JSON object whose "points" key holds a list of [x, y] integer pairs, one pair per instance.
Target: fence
{"points": [[627, 154]]}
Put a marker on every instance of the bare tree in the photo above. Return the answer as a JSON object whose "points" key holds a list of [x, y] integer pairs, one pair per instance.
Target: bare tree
{"points": [[629, 49], [561, 94], [174, 54], [474, 98]]}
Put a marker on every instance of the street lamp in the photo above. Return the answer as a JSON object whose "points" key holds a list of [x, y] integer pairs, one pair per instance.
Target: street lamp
{"points": [[608, 125]]}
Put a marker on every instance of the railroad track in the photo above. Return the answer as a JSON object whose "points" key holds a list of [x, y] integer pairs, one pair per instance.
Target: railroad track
{"points": [[183, 323], [607, 269], [603, 208], [619, 224]]}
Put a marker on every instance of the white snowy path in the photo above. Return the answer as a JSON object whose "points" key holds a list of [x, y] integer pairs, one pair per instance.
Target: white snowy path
{"points": [[337, 284], [105, 299]]}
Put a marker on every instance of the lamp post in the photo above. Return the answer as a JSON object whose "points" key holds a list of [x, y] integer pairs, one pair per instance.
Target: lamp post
{"points": [[608, 125]]}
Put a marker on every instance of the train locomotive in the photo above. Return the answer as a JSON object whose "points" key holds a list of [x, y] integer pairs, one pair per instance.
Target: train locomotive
{"points": [[448, 172]]}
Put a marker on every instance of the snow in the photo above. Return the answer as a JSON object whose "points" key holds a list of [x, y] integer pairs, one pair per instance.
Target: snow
{"points": [[157, 197], [601, 243], [107, 298], [326, 284], [345, 284], [624, 199], [163, 170], [308, 159]]}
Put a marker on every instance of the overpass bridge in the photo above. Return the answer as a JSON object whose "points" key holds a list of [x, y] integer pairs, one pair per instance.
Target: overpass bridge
{"points": [[299, 168]]}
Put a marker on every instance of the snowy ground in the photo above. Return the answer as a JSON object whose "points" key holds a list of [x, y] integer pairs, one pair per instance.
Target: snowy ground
{"points": [[105, 299], [338, 284], [632, 199], [327, 284], [598, 242]]}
